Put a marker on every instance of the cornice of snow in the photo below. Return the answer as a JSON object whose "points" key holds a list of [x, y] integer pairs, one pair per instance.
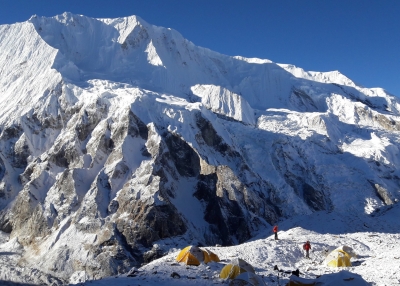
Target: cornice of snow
{"points": [[253, 60], [324, 77]]}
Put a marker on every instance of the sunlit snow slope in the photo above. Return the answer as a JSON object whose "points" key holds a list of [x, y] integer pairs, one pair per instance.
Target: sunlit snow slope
{"points": [[116, 134]]}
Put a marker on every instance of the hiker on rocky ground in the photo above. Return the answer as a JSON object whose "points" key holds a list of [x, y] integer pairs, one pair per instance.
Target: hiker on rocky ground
{"points": [[275, 230], [307, 247]]}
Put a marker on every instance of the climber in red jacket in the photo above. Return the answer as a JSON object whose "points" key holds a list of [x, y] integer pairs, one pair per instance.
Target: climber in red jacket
{"points": [[275, 230], [307, 247]]}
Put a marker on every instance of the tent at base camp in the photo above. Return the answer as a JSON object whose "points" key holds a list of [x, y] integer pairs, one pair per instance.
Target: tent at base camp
{"points": [[348, 250], [234, 268], [342, 278], [230, 271], [298, 281], [193, 255], [340, 257], [243, 264], [247, 279]]}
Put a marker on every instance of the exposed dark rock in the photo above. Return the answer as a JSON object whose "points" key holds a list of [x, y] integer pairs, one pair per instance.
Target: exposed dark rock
{"points": [[106, 144], [137, 127], [186, 160], [28, 221], [145, 152], [296, 175], [151, 223], [175, 275], [382, 193], [209, 135], [313, 198], [21, 154], [152, 146], [386, 122], [89, 118], [132, 126], [302, 100], [41, 118], [382, 105], [66, 156], [11, 132], [5, 224], [68, 198], [32, 121], [14, 146], [152, 254], [2, 169], [59, 158], [206, 192], [113, 207], [135, 38], [26, 175], [226, 212]]}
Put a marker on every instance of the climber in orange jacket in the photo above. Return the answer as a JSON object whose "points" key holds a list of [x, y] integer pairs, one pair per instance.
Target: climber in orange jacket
{"points": [[307, 247], [275, 230]]}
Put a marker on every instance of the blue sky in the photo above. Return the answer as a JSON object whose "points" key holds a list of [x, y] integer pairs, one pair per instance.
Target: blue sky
{"points": [[360, 38]]}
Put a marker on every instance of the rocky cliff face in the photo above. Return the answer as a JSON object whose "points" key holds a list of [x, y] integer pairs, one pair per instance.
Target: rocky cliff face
{"points": [[117, 135]]}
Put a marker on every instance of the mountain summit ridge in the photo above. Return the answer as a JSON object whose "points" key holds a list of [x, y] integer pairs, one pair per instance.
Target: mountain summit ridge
{"points": [[117, 135]]}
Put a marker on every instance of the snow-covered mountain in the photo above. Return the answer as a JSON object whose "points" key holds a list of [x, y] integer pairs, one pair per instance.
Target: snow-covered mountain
{"points": [[117, 134]]}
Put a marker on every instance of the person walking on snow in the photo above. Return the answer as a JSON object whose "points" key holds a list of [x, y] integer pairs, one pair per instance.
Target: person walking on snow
{"points": [[275, 230], [307, 247]]}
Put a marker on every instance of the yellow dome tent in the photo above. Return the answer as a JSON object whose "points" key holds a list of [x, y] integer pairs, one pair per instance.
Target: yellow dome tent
{"points": [[338, 258], [236, 267], [230, 271], [209, 256], [193, 255], [243, 264]]}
